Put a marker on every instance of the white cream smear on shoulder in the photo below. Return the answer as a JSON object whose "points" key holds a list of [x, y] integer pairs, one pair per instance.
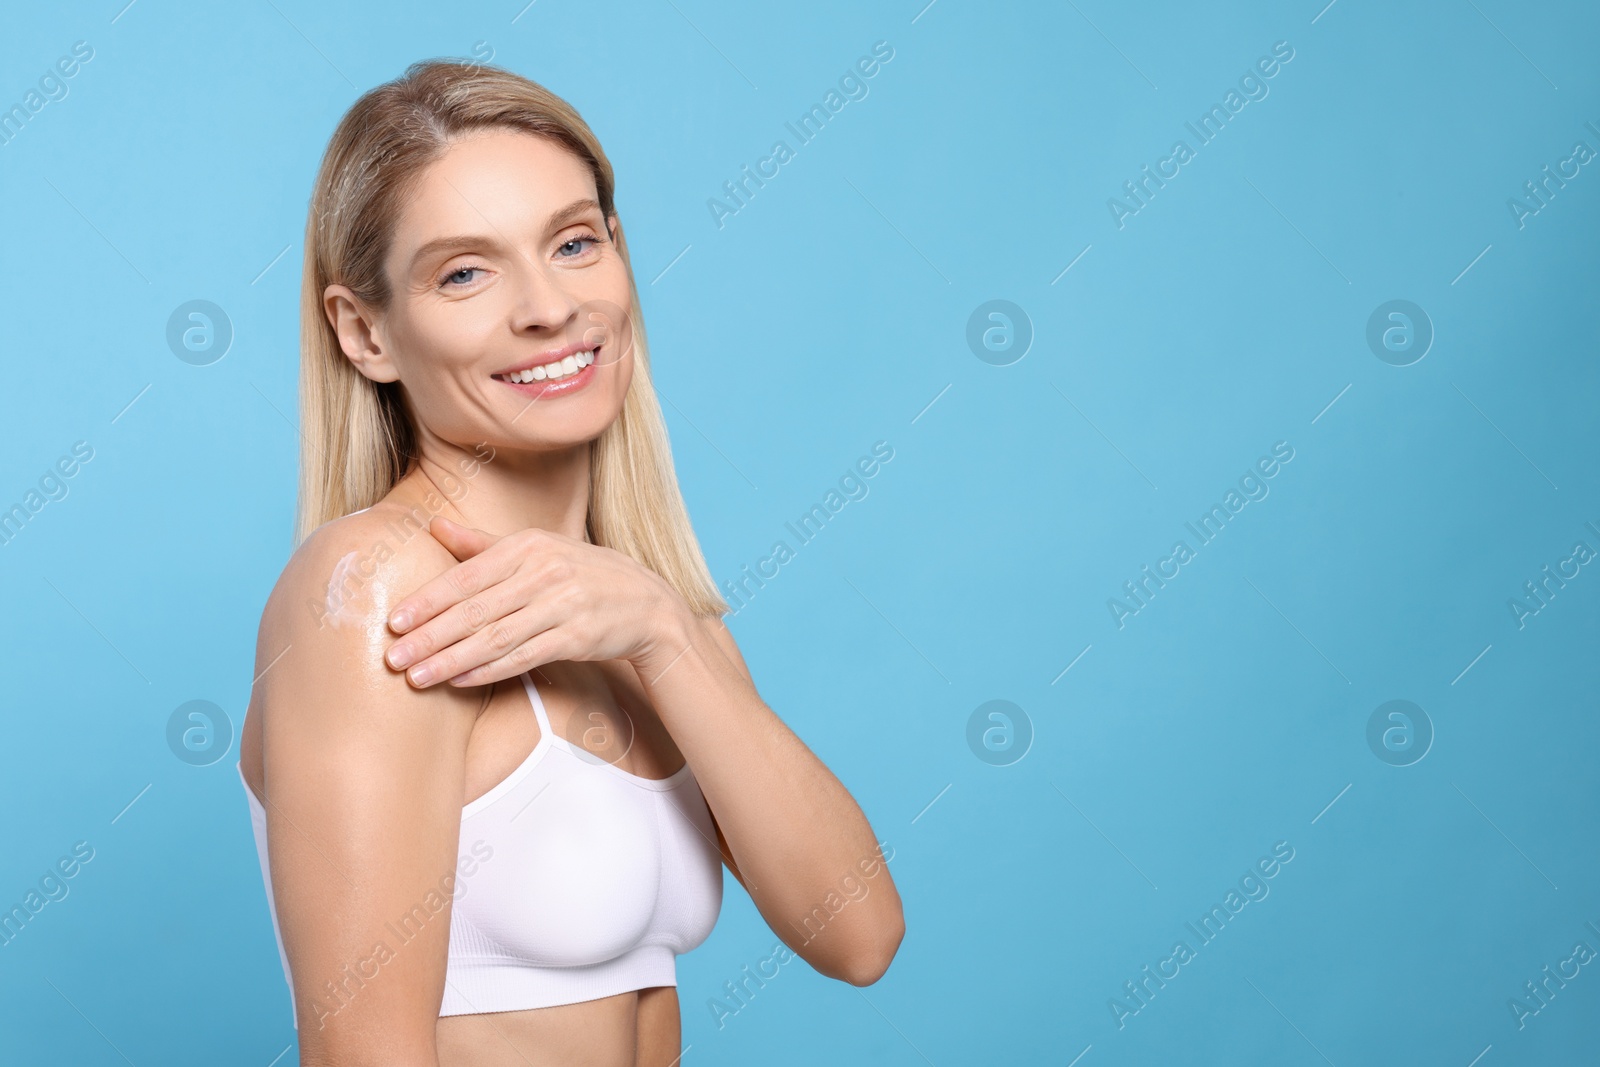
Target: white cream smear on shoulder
{"points": [[339, 610]]}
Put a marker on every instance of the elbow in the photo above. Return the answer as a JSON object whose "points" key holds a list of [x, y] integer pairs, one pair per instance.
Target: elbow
{"points": [[870, 964]]}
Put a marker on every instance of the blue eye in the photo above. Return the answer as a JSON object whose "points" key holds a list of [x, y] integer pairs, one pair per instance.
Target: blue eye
{"points": [[456, 274], [579, 240]]}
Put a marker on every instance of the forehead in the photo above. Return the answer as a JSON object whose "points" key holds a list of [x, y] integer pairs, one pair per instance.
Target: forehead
{"points": [[505, 179]]}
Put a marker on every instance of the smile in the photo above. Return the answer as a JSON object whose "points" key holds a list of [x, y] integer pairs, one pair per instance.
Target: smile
{"points": [[554, 377], [555, 370]]}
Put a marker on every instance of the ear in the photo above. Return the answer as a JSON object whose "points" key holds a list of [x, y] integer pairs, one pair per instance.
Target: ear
{"points": [[359, 335]]}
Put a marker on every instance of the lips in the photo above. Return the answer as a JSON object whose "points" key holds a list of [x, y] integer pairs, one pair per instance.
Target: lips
{"points": [[554, 364], [556, 377]]}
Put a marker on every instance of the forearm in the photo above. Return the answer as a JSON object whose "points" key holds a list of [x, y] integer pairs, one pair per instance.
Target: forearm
{"points": [[795, 833]]}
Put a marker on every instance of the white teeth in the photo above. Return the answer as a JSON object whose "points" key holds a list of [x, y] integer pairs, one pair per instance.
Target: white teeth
{"points": [[550, 371]]}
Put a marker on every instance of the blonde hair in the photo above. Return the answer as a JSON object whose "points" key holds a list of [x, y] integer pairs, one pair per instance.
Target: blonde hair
{"points": [[360, 434]]}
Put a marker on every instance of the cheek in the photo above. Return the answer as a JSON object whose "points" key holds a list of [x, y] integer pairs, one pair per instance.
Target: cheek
{"points": [[423, 347], [616, 393], [624, 376], [441, 357]]}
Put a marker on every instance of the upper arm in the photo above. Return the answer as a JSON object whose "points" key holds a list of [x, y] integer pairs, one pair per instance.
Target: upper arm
{"points": [[363, 781]]}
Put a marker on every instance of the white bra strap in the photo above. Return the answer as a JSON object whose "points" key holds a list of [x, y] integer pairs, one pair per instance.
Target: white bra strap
{"points": [[538, 703]]}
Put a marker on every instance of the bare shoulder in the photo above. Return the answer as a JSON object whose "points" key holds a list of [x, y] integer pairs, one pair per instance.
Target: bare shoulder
{"points": [[324, 631], [349, 571]]}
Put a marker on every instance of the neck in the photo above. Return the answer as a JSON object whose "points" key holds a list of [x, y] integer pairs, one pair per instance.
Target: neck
{"points": [[499, 491]]}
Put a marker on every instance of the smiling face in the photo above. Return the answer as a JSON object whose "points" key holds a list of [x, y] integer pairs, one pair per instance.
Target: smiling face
{"points": [[510, 316]]}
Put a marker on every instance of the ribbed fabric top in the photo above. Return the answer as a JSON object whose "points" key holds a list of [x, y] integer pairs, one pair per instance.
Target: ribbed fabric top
{"points": [[576, 880]]}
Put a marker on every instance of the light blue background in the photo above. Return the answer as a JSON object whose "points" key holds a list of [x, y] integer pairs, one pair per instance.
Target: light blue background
{"points": [[1228, 314]]}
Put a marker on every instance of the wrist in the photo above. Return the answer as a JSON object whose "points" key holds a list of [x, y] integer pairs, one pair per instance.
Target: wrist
{"points": [[671, 628]]}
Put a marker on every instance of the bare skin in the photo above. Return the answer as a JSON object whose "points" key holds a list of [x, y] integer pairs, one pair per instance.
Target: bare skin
{"points": [[636, 1028], [363, 771]]}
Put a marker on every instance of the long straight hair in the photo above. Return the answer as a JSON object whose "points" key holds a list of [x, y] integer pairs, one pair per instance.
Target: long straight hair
{"points": [[360, 435]]}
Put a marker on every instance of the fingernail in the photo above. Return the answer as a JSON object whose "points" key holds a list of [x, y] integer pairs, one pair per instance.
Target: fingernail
{"points": [[422, 676], [399, 656], [400, 620]]}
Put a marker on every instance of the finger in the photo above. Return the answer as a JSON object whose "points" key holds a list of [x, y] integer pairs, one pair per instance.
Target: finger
{"points": [[546, 647], [472, 617], [464, 542], [464, 579], [487, 644]]}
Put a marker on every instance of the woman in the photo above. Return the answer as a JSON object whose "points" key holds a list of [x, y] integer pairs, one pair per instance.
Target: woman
{"points": [[495, 856]]}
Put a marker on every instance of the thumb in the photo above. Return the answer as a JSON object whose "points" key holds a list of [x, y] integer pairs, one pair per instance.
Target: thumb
{"points": [[464, 542]]}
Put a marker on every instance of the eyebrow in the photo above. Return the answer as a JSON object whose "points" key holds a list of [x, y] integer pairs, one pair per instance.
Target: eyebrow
{"points": [[558, 220]]}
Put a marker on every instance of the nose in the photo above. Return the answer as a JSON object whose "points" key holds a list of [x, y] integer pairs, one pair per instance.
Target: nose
{"points": [[543, 301]]}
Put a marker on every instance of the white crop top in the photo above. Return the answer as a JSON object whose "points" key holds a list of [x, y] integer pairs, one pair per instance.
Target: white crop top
{"points": [[576, 880]]}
